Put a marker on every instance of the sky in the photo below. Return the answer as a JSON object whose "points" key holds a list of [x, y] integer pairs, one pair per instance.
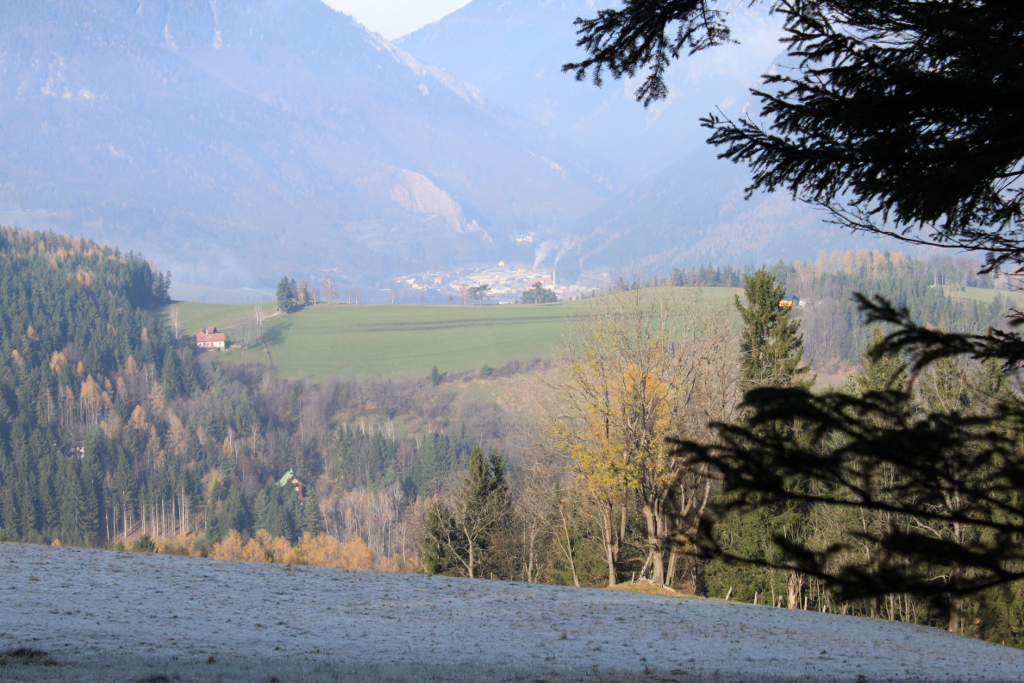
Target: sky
{"points": [[395, 18]]}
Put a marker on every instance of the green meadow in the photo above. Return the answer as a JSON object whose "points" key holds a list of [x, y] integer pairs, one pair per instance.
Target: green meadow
{"points": [[983, 295], [396, 339]]}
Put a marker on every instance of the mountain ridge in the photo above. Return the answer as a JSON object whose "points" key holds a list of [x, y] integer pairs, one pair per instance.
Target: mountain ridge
{"points": [[262, 137]]}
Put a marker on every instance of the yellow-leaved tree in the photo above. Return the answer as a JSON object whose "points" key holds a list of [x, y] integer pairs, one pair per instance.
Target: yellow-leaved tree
{"points": [[641, 365]]}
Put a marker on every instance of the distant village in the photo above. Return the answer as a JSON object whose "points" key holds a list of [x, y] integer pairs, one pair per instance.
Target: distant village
{"points": [[505, 283]]}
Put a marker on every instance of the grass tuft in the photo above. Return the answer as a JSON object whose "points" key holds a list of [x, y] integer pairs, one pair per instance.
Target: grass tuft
{"points": [[26, 656], [25, 653]]}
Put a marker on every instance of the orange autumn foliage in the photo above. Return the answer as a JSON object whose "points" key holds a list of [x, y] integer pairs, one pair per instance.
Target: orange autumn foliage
{"points": [[322, 550]]}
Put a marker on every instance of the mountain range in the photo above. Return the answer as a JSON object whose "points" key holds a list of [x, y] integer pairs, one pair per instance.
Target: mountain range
{"points": [[241, 139], [237, 140], [513, 51]]}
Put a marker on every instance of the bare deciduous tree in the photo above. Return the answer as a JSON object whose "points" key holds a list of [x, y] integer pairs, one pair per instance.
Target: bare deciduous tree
{"points": [[259, 316], [330, 289], [177, 326]]}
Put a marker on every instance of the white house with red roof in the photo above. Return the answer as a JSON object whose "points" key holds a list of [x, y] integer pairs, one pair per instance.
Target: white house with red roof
{"points": [[210, 338]]}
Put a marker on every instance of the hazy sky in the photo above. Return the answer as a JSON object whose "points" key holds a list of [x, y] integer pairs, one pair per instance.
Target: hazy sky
{"points": [[395, 18]]}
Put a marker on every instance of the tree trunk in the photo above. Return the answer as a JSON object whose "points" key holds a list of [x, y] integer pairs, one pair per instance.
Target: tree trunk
{"points": [[955, 605], [570, 553], [611, 545], [954, 615], [657, 560], [670, 573], [794, 587]]}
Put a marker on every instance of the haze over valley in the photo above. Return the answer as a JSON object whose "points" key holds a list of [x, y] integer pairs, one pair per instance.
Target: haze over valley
{"points": [[235, 141]]}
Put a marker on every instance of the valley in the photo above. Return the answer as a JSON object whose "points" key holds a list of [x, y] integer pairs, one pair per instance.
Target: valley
{"points": [[550, 342], [235, 142]]}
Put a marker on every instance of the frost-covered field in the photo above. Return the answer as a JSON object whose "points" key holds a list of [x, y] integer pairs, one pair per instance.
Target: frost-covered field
{"points": [[109, 616]]}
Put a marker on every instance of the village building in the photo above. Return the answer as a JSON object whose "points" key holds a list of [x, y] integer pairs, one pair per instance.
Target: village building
{"points": [[289, 478], [210, 338], [791, 300]]}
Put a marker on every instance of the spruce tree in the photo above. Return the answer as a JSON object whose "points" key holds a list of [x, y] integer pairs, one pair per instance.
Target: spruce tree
{"points": [[233, 515], [124, 488], [287, 296], [277, 520], [478, 478], [171, 375], [29, 505], [273, 514], [310, 521], [48, 502], [72, 506], [771, 343], [9, 513], [189, 372], [885, 372], [91, 477]]}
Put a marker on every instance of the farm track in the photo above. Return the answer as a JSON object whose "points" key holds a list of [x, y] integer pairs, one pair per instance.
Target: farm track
{"points": [[452, 324]]}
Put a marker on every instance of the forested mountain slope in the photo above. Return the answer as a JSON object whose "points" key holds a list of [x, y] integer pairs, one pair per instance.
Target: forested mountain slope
{"points": [[72, 325], [238, 139], [110, 428]]}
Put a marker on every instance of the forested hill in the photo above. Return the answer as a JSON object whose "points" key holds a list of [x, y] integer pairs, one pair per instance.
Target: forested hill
{"points": [[70, 295], [73, 316], [110, 428]]}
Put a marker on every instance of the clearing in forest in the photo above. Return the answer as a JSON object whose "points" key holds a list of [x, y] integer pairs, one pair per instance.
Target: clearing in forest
{"points": [[396, 339]]}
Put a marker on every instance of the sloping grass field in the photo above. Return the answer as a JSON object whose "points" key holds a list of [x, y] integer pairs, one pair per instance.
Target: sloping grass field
{"points": [[79, 616], [396, 339], [983, 295]]}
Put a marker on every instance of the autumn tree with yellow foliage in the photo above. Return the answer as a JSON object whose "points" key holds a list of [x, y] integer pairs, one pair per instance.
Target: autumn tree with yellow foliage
{"points": [[646, 364]]}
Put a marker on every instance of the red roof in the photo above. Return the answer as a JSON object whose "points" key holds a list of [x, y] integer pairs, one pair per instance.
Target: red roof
{"points": [[210, 334]]}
